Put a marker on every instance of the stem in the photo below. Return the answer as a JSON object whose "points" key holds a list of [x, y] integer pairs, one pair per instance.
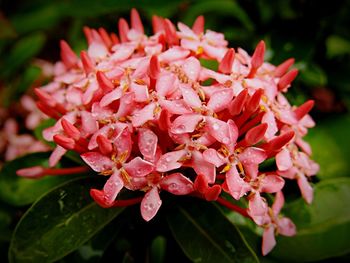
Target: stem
{"points": [[233, 207], [128, 202], [62, 171]]}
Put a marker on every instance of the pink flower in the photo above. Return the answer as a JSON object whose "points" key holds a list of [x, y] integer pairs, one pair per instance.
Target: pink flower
{"points": [[16, 145], [138, 110], [276, 225]]}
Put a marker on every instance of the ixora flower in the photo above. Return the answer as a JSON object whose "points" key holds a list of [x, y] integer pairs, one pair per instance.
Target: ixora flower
{"points": [[144, 112]]}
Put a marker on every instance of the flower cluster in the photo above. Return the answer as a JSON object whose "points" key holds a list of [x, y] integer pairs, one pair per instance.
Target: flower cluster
{"points": [[144, 112], [14, 144]]}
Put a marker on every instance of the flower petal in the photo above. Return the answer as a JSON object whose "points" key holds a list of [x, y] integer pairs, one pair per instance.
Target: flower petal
{"points": [[145, 114], [278, 203], [97, 161], [88, 123], [192, 68], [147, 142], [174, 53], [235, 184], [175, 106], [286, 227], [252, 155], [112, 187], [166, 84], [56, 155], [126, 105], [150, 204], [268, 241], [190, 97], [123, 143], [201, 166], [138, 167], [284, 160], [306, 190], [185, 123], [219, 130], [169, 161], [177, 184], [212, 156], [258, 209], [111, 96], [140, 91], [269, 119], [271, 183], [220, 99]]}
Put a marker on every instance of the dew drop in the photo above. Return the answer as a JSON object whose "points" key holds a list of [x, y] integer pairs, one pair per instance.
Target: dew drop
{"points": [[225, 140], [148, 206], [167, 159], [107, 196], [216, 126], [146, 150], [180, 129], [173, 186]]}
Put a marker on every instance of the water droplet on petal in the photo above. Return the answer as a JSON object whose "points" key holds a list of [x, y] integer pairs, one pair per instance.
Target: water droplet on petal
{"points": [[107, 196], [148, 206], [216, 126], [225, 140], [179, 129], [173, 186]]}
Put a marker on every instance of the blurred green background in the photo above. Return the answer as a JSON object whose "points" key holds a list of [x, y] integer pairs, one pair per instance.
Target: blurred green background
{"points": [[315, 33]]}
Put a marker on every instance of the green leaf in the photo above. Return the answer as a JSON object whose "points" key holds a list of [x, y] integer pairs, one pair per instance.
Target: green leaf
{"points": [[5, 221], [206, 235], [220, 7], [44, 16], [209, 63], [7, 30], [30, 75], [59, 222], [38, 132], [79, 8], [158, 249], [337, 46], [322, 228], [93, 250], [313, 76], [19, 191], [329, 142], [24, 49]]}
